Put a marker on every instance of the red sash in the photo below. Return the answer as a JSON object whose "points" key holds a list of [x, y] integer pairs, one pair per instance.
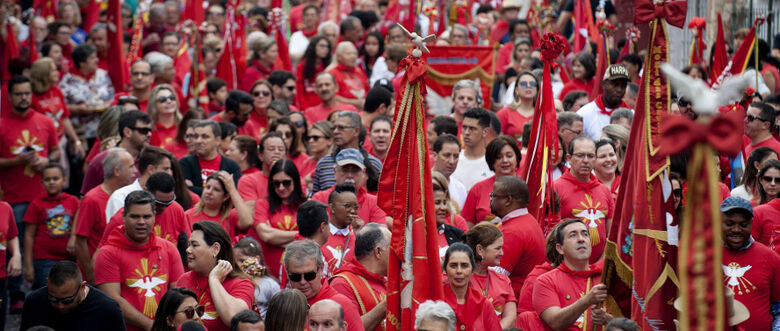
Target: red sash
{"points": [[366, 297]]}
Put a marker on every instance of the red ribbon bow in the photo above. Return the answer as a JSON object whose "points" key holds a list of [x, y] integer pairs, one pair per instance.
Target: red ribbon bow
{"points": [[697, 23], [723, 132], [673, 12]]}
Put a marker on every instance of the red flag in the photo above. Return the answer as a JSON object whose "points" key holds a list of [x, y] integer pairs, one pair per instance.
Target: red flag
{"points": [[93, 15], [227, 67], [720, 57], [336, 10], [449, 64], [640, 254], [182, 62], [277, 30], [603, 61], [583, 25], [404, 14], [193, 11], [116, 70], [136, 50], [543, 142], [406, 194], [46, 9], [742, 56], [10, 50], [698, 24], [32, 45]]}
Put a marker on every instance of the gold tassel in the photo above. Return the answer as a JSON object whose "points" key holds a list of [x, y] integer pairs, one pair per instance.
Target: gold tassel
{"points": [[150, 307], [594, 236]]}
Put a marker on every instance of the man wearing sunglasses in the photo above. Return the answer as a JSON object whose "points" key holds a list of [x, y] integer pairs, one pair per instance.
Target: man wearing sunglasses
{"points": [[141, 79], [304, 264], [136, 267], [68, 303], [238, 106], [283, 87], [595, 115], [759, 122]]}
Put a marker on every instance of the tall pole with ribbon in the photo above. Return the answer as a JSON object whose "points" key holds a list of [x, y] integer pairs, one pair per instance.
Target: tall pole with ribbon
{"points": [[639, 268]]}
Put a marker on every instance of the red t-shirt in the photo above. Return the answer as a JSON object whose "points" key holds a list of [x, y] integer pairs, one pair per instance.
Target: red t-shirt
{"points": [[144, 272], [282, 219], [475, 314], [512, 122], [299, 162], [208, 167], [255, 126], [765, 218], [319, 112], [754, 275], [557, 288], [504, 57], [52, 104], [254, 72], [91, 221], [748, 147], [304, 88], [525, 300], [351, 314], [499, 289], [308, 166], [353, 82], [369, 210], [178, 149], [457, 221], [592, 202], [253, 187], [8, 231], [32, 132], [168, 225], [53, 219], [476, 208], [162, 135], [230, 223], [239, 288], [296, 18], [576, 84], [524, 245], [333, 249]]}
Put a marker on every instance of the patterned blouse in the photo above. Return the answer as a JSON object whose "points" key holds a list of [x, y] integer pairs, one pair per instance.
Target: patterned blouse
{"points": [[97, 92]]}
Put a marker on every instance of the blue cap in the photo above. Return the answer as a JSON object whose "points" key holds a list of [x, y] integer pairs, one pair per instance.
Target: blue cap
{"points": [[350, 156], [732, 203]]}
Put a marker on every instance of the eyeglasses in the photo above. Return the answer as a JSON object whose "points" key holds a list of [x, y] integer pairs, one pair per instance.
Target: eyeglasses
{"points": [[752, 118], [263, 93], [493, 196], [165, 203], [284, 182], [143, 131], [189, 312], [290, 88], [299, 124], [677, 193], [342, 127], [574, 132], [140, 73], [168, 98], [348, 205], [584, 155], [296, 277], [64, 301], [527, 84], [771, 180], [315, 138]]}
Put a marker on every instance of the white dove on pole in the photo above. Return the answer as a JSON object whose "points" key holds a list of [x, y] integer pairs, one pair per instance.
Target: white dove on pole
{"points": [[418, 42], [705, 100]]}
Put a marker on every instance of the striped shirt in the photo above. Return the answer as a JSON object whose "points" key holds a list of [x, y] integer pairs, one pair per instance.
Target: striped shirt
{"points": [[324, 176]]}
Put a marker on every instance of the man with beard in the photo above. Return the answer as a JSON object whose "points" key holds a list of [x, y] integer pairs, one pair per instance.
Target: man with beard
{"points": [[751, 269], [595, 115], [206, 160], [238, 106]]}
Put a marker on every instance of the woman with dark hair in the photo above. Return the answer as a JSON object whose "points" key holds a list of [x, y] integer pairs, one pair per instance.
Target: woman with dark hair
{"points": [[263, 95], [163, 108], [243, 150], [677, 183], [503, 158], [254, 187], [487, 241], [287, 311], [184, 196], [53, 50], [214, 276], [217, 205], [373, 48], [522, 109], [180, 145], [695, 71], [177, 306], [451, 226], [769, 180], [472, 308], [317, 55], [583, 68], [301, 126], [748, 187], [605, 167], [250, 258], [275, 220], [284, 126]]}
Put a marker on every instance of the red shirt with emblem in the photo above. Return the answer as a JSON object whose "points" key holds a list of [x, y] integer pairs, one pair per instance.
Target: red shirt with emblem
{"points": [[524, 245], [351, 314], [592, 202], [754, 275], [53, 219], [91, 221], [499, 289], [561, 287], [475, 314], [144, 272], [282, 219], [765, 218], [33, 133], [476, 208], [239, 288], [369, 210], [208, 167], [319, 112], [168, 225], [162, 135], [52, 104], [512, 122], [333, 249], [229, 223], [353, 82], [8, 231], [253, 187]]}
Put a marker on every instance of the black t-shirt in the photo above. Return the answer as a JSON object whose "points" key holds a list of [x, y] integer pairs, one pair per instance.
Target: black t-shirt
{"points": [[609, 9], [97, 312]]}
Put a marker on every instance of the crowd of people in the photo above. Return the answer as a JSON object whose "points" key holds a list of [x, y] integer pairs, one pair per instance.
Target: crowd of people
{"points": [[252, 205]]}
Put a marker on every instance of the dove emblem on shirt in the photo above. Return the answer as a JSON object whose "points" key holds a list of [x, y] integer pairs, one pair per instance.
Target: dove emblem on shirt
{"points": [[735, 278], [147, 283], [336, 252]]}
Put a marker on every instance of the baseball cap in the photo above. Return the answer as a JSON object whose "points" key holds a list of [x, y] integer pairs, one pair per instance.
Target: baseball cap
{"points": [[734, 203], [350, 156], [616, 71]]}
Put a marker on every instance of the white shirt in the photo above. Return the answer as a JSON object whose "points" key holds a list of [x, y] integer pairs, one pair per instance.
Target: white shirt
{"points": [[380, 71], [458, 193], [593, 120], [117, 199], [336, 231], [469, 172], [298, 43]]}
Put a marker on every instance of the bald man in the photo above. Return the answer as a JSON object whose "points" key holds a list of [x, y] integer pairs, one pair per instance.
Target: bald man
{"points": [[352, 80], [326, 315]]}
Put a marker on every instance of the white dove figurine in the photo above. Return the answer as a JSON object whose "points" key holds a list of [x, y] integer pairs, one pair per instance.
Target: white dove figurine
{"points": [[703, 99], [418, 42]]}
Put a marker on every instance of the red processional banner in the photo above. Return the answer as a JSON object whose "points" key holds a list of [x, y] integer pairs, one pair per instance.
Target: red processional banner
{"points": [[447, 65]]}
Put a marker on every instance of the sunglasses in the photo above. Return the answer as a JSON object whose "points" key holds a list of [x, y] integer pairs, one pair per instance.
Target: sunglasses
{"points": [[315, 138], [144, 131], [677, 192], [299, 124], [168, 98], [189, 312], [286, 134], [64, 301], [285, 183], [258, 93], [683, 103], [527, 84], [296, 277], [752, 118], [165, 203], [771, 180], [290, 88]]}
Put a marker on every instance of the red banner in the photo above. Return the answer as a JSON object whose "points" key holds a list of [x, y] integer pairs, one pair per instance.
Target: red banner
{"points": [[447, 65], [720, 57], [116, 70]]}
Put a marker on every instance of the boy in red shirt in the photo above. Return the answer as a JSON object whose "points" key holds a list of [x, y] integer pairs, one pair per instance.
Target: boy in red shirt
{"points": [[49, 221], [135, 267]]}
